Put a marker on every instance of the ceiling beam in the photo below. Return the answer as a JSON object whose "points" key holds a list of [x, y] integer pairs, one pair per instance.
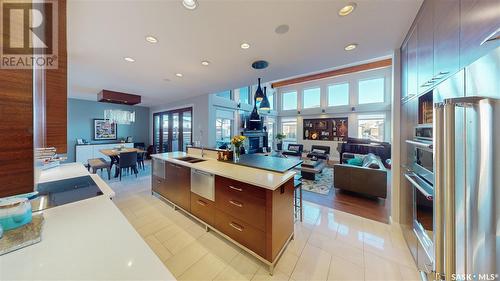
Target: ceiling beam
{"points": [[332, 73]]}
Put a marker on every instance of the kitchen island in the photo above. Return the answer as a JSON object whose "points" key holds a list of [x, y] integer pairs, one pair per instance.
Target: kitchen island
{"points": [[251, 207]]}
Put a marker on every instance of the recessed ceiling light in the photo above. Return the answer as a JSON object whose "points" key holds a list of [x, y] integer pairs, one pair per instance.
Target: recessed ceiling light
{"points": [[350, 47], [129, 59], [151, 39], [179, 75], [245, 46], [282, 29], [190, 4], [347, 9], [205, 62]]}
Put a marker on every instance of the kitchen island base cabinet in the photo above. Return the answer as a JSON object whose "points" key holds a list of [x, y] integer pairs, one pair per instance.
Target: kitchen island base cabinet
{"points": [[177, 185], [259, 220], [203, 209]]}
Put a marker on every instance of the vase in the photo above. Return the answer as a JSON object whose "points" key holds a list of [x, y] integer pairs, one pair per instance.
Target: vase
{"points": [[236, 156]]}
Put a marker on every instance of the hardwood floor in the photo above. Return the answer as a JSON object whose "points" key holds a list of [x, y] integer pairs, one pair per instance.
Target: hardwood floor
{"points": [[371, 208]]}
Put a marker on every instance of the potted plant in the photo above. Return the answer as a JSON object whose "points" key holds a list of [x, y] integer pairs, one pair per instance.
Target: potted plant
{"points": [[237, 142], [279, 144]]}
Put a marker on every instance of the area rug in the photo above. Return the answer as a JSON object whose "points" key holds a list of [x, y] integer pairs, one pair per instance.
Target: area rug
{"points": [[322, 184]]}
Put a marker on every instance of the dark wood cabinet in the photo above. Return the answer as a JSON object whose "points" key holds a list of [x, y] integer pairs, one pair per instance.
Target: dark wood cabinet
{"points": [[203, 208], [177, 187], [412, 83], [425, 52], [404, 71], [478, 20], [446, 38]]}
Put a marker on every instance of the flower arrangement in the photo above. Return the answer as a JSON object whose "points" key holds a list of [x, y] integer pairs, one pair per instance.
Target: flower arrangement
{"points": [[237, 141]]}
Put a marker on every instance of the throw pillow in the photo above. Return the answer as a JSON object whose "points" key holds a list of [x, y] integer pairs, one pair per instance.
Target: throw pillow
{"points": [[355, 162], [319, 151], [293, 148]]}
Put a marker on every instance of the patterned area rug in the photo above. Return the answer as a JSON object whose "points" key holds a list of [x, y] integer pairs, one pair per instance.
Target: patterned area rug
{"points": [[322, 184]]}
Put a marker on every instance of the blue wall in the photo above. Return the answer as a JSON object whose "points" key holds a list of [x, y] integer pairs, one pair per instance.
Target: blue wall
{"points": [[81, 115]]}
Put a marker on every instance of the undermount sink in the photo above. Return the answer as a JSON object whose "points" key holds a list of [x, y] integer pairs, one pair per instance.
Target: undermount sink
{"points": [[190, 159]]}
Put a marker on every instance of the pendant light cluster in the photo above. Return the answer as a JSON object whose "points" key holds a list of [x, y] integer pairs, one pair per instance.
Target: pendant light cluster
{"points": [[264, 103]]}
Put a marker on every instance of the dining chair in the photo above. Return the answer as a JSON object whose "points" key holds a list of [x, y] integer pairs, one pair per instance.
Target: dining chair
{"points": [[140, 160], [127, 160]]}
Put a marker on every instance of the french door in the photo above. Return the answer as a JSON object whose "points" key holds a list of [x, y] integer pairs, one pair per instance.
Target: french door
{"points": [[172, 130]]}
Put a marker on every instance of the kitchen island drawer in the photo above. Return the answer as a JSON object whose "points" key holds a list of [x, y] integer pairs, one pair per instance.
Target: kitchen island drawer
{"points": [[241, 232], [250, 209], [203, 208], [238, 188]]}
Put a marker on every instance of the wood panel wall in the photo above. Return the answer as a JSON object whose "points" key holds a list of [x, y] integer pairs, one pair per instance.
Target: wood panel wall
{"points": [[27, 121], [56, 92], [16, 127]]}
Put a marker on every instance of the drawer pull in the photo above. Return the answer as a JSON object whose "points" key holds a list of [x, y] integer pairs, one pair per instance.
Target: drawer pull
{"points": [[201, 203], [236, 188], [236, 203], [236, 226]]}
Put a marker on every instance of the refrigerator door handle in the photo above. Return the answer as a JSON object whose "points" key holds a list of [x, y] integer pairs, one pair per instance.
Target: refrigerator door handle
{"points": [[449, 187], [438, 193]]}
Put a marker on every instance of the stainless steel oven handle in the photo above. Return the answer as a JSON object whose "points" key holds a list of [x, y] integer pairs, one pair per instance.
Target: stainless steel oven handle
{"points": [[420, 144], [409, 177]]}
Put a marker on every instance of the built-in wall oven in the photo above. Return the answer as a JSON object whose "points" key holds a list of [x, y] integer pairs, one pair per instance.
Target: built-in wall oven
{"points": [[420, 175]]}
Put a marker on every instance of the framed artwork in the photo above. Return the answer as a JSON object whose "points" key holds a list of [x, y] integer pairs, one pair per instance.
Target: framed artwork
{"points": [[103, 130]]}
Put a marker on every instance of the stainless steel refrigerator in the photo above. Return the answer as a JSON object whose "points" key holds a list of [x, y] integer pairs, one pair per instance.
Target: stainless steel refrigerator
{"points": [[466, 202]]}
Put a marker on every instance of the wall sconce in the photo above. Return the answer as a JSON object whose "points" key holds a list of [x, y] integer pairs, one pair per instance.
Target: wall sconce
{"points": [[298, 111], [238, 105], [323, 110], [353, 108]]}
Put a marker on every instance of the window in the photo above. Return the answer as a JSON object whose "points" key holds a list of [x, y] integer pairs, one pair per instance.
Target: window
{"points": [[289, 101], [269, 123], [371, 127], [223, 127], [223, 131], [371, 91], [270, 97], [224, 94], [289, 129], [338, 94], [311, 98], [244, 94]]}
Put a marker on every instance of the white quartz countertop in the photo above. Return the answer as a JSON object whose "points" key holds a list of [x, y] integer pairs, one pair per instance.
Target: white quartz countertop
{"points": [[84, 240], [258, 177]]}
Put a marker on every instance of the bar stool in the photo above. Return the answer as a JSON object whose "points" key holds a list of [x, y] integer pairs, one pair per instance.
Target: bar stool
{"points": [[297, 197]]}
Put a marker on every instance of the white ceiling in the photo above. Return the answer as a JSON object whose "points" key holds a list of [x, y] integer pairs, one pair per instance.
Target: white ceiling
{"points": [[101, 33]]}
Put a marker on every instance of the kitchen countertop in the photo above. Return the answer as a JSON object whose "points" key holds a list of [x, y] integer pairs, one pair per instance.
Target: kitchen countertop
{"points": [[84, 240], [258, 177], [270, 163]]}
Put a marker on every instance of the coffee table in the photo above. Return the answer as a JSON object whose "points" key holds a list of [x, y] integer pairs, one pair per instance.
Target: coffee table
{"points": [[310, 168]]}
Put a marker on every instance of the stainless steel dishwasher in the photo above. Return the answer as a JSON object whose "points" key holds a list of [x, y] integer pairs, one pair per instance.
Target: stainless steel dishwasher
{"points": [[203, 184]]}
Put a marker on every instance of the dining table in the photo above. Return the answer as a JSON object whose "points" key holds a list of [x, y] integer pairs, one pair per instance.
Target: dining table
{"points": [[114, 155]]}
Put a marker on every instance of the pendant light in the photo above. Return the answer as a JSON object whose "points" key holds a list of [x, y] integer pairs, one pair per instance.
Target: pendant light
{"points": [[258, 94], [254, 116], [264, 104]]}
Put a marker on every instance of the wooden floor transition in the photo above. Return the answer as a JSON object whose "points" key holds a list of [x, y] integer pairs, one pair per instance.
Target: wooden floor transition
{"points": [[371, 208]]}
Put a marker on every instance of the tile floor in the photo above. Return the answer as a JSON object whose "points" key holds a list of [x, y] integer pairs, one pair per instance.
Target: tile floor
{"points": [[328, 244]]}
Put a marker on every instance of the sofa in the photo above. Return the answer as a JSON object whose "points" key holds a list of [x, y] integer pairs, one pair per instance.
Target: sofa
{"points": [[370, 178], [319, 152], [294, 150]]}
